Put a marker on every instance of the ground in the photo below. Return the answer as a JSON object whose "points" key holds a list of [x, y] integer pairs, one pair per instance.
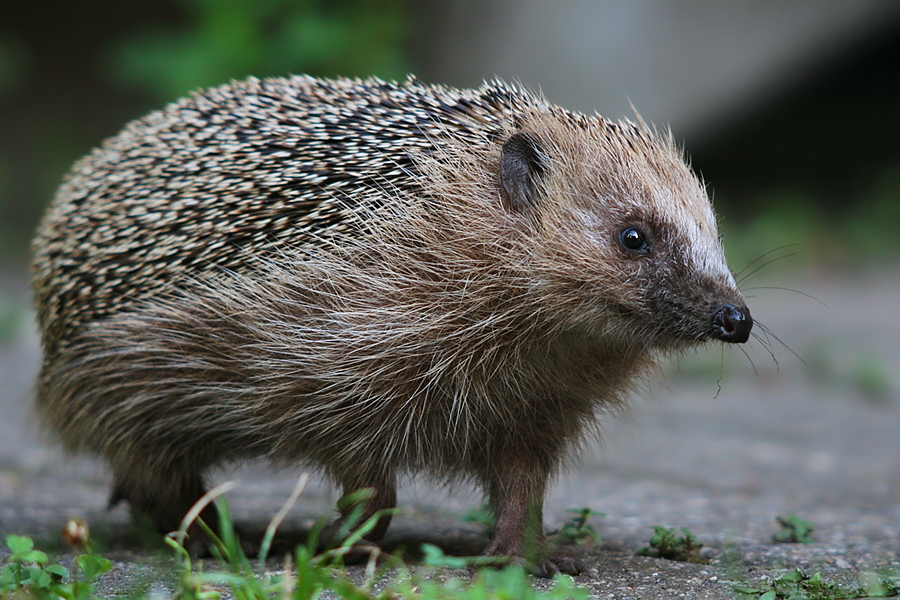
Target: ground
{"points": [[722, 444]]}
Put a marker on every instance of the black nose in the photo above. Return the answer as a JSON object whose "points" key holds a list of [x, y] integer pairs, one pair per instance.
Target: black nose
{"points": [[732, 324]]}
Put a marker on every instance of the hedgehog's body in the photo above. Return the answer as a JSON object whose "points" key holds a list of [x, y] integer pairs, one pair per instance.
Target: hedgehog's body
{"points": [[369, 277]]}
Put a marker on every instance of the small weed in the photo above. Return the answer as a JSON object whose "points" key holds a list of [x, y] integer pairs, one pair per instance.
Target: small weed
{"points": [[29, 575], [879, 585], [666, 543], [577, 530], [797, 585], [794, 530]]}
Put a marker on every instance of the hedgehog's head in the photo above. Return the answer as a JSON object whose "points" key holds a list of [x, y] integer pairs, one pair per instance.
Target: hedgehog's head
{"points": [[624, 234]]}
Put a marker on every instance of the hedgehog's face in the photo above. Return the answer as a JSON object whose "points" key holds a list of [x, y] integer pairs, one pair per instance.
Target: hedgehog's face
{"points": [[629, 245], [678, 288]]}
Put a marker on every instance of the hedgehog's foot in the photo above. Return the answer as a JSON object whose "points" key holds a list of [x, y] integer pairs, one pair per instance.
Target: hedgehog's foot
{"points": [[538, 562], [560, 562]]}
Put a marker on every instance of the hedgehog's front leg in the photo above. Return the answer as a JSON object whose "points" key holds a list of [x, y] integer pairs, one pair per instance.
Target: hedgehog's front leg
{"points": [[516, 487]]}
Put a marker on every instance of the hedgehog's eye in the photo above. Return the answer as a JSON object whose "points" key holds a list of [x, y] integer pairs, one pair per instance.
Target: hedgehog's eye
{"points": [[634, 240]]}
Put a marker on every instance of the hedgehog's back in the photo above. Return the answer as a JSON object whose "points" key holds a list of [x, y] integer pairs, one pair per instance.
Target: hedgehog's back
{"points": [[229, 175]]}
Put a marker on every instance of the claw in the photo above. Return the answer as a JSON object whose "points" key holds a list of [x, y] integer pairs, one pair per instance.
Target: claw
{"points": [[554, 565], [546, 569], [573, 567], [558, 562]]}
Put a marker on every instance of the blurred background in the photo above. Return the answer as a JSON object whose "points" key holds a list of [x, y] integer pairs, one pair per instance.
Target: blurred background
{"points": [[789, 110]]}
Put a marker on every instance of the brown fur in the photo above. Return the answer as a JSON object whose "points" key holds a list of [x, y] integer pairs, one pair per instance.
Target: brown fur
{"points": [[368, 309]]}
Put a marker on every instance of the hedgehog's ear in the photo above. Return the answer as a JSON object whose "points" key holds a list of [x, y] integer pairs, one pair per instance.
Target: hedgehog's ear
{"points": [[522, 164]]}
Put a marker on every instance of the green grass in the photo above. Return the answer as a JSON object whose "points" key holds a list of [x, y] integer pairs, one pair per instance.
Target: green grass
{"points": [[794, 530], [577, 530], [666, 543], [29, 574], [797, 585]]}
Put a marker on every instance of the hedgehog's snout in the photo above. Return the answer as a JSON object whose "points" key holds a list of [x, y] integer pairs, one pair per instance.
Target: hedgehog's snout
{"points": [[732, 324]]}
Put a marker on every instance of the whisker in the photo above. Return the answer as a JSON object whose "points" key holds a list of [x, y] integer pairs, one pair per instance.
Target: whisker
{"points": [[786, 289], [766, 343], [768, 333], [762, 266], [762, 256], [752, 364], [721, 371], [764, 339]]}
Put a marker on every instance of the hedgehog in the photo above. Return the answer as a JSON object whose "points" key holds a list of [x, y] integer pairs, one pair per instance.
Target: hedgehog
{"points": [[373, 279]]}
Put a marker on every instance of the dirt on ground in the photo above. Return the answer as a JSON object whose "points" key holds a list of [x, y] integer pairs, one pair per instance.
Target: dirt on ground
{"points": [[723, 443]]}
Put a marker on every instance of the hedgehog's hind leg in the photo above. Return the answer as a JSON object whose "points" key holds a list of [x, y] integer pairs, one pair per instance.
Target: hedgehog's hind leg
{"points": [[376, 497], [165, 497], [366, 493]]}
